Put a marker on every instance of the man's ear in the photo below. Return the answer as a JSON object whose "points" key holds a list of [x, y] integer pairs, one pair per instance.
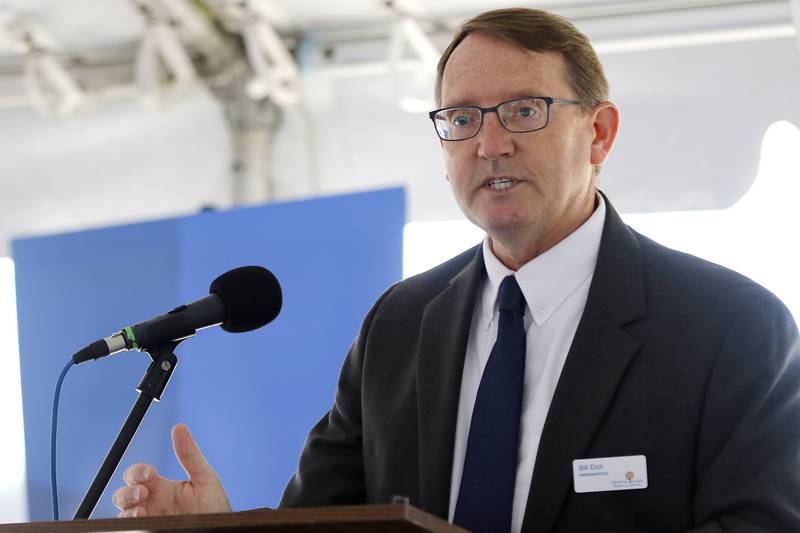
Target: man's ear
{"points": [[606, 125]]}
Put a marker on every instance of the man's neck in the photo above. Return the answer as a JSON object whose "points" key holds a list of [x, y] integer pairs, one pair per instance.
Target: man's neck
{"points": [[515, 253], [515, 250]]}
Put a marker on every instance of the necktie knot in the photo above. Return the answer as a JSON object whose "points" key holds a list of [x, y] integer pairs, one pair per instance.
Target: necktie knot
{"points": [[511, 297]]}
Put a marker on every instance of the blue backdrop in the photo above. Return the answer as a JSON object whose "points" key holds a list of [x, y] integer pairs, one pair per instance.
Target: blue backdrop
{"points": [[248, 398]]}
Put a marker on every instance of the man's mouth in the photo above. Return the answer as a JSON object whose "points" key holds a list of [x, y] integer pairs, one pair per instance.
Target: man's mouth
{"points": [[499, 184]]}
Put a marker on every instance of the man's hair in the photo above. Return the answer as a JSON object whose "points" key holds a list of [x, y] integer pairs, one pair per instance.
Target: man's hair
{"points": [[539, 31]]}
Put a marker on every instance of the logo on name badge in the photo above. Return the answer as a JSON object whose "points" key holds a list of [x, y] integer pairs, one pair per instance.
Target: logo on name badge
{"points": [[629, 475]]}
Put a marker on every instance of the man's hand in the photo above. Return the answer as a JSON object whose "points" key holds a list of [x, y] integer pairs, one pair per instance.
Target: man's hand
{"points": [[149, 494]]}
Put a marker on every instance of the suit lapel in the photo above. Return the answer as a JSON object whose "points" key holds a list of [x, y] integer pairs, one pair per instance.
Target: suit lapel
{"points": [[595, 365], [443, 343]]}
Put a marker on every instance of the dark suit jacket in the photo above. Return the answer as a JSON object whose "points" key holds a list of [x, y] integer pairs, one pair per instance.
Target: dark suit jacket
{"points": [[688, 363]]}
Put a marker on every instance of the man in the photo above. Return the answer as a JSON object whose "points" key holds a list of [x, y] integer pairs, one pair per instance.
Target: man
{"points": [[674, 380]]}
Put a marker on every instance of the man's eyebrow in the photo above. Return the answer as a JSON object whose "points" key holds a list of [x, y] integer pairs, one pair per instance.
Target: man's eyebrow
{"points": [[467, 103], [461, 103]]}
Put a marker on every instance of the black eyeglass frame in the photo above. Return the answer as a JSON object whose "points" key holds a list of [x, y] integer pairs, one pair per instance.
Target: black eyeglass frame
{"points": [[483, 110]]}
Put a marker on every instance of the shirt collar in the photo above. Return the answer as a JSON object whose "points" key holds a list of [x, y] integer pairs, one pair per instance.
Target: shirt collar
{"points": [[548, 279]]}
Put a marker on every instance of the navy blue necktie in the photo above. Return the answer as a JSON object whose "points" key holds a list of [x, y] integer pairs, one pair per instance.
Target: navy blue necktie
{"points": [[490, 464]]}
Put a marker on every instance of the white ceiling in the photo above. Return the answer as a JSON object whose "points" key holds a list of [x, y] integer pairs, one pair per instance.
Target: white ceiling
{"points": [[87, 26], [81, 25]]}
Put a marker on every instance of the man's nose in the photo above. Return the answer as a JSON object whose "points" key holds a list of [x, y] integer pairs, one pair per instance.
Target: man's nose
{"points": [[494, 141]]}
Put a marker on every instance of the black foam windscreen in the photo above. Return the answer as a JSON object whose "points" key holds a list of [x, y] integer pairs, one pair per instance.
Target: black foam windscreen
{"points": [[252, 297]]}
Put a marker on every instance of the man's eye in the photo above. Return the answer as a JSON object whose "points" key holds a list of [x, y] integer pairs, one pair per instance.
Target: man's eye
{"points": [[461, 121], [526, 112]]}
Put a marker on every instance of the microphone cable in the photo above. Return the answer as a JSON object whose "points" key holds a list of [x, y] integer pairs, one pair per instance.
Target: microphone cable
{"points": [[53, 429]]}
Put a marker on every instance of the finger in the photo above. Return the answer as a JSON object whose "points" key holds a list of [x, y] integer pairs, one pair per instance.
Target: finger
{"points": [[128, 497], [133, 513], [191, 458], [139, 474]]}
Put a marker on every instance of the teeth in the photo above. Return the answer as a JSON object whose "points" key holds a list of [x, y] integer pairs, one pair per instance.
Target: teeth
{"points": [[499, 185]]}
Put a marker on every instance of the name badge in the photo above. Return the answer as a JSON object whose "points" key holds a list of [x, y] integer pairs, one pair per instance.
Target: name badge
{"points": [[610, 473]]}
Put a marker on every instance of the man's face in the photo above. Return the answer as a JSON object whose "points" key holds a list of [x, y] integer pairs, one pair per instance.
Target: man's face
{"points": [[551, 191]]}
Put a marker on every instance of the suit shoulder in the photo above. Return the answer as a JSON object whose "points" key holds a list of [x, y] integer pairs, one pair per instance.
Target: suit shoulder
{"points": [[426, 285]]}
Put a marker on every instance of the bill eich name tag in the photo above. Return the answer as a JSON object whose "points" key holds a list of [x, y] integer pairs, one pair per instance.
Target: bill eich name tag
{"points": [[610, 473]]}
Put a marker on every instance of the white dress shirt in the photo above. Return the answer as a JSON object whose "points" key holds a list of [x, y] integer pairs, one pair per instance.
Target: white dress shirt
{"points": [[555, 285]]}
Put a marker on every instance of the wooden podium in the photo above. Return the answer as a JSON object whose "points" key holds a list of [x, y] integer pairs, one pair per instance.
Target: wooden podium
{"points": [[350, 519]]}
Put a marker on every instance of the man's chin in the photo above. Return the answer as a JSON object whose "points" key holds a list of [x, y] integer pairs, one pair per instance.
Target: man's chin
{"points": [[506, 228]]}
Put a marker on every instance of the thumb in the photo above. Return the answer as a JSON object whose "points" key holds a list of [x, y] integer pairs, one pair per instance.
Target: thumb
{"points": [[191, 458]]}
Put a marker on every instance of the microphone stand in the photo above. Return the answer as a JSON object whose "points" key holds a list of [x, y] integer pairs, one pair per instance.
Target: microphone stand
{"points": [[150, 388]]}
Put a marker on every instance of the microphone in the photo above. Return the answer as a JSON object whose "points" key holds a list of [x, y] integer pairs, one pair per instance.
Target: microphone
{"points": [[242, 299]]}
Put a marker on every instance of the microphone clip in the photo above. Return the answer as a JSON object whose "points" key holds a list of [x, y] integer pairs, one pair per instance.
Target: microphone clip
{"points": [[160, 370]]}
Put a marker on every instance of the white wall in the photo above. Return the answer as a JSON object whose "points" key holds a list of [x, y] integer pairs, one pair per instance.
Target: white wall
{"points": [[13, 497], [117, 163]]}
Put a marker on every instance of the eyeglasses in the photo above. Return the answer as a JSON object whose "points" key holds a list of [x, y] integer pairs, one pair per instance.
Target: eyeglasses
{"points": [[519, 115]]}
